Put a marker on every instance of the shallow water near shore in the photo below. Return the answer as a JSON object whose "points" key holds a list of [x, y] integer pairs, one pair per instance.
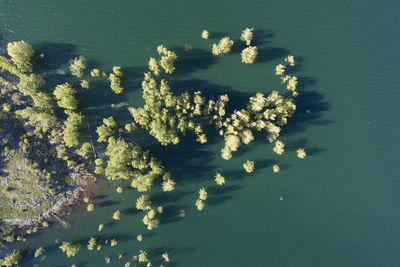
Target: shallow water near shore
{"points": [[338, 207]]}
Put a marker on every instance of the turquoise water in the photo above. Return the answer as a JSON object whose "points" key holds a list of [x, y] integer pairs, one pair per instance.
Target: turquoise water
{"points": [[341, 205]]}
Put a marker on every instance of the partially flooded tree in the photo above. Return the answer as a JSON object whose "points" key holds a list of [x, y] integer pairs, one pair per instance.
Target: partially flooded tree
{"points": [[205, 34], [142, 256], [78, 65], [92, 243], [223, 47], [11, 259], [249, 54], [248, 166], [143, 202], [219, 179], [247, 35], [167, 59], [117, 215], [279, 147], [69, 249], [276, 168], [301, 153], [38, 252]]}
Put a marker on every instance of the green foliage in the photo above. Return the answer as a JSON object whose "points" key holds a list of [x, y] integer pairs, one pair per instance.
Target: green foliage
{"points": [[92, 243], [117, 215], [115, 80], [139, 237], [202, 194], [69, 249], [143, 202], [142, 256], [85, 149], [301, 153], [105, 131], [167, 59], [90, 207], [279, 147], [38, 252], [11, 259], [166, 115], [65, 96], [95, 73], [21, 54], [119, 190], [249, 166], [150, 220], [200, 204], [120, 157], [85, 84], [276, 168], [205, 34], [165, 256], [71, 129], [78, 65], [113, 242], [249, 54], [219, 179], [247, 35], [223, 47]]}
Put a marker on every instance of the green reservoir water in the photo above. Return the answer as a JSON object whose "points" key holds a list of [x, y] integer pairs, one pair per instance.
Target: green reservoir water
{"points": [[340, 206]]}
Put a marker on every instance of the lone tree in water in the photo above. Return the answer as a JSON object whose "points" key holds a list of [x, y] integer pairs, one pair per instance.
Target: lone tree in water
{"points": [[78, 65], [39, 251], [204, 34], [117, 215], [249, 54], [301, 153], [223, 47], [249, 166], [247, 35], [219, 179], [69, 249], [21, 54]]}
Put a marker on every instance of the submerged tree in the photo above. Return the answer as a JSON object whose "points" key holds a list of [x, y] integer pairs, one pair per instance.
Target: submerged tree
{"points": [[249, 166], [290, 59], [223, 47], [69, 249], [90, 207], [249, 54], [21, 54], [280, 69], [202, 193], [247, 35], [78, 65]]}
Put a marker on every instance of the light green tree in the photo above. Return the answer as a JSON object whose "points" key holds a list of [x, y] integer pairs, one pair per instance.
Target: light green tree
{"points": [[65, 96], [249, 166], [117, 215], [249, 54], [202, 193], [92, 243], [223, 47], [21, 54], [301, 153], [219, 179], [69, 249], [142, 256], [247, 35], [11, 259], [78, 65], [38, 252], [204, 34], [143, 202]]}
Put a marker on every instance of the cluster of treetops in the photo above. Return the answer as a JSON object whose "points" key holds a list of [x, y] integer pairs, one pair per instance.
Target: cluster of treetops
{"points": [[165, 115]]}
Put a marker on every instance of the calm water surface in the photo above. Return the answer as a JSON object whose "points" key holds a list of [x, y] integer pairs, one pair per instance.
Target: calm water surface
{"points": [[340, 207]]}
